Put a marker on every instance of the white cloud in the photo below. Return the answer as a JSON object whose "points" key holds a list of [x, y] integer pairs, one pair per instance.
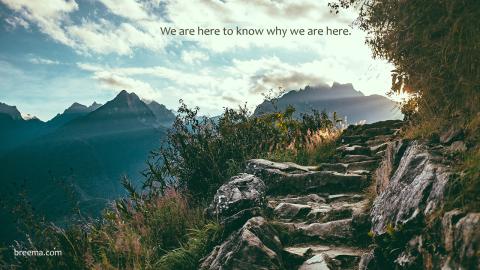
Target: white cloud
{"points": [[47, 15], [130, 9], [15, 21], [194, 57], [44, 61], [104, 38]]}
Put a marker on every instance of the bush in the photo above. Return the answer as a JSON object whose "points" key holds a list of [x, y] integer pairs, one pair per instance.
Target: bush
{"points": [[201, 153]]}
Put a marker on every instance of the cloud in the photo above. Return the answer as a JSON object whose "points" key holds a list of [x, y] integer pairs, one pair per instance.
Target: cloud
{"points": [[194, 57], [43, 61], [130, 9], [49, 16], [103, 37], [15, 21], [140, 22], [112, 80]]}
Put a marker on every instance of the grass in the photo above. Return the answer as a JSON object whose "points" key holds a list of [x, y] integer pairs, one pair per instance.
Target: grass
{"points": [[319, 147], [200, 242]]}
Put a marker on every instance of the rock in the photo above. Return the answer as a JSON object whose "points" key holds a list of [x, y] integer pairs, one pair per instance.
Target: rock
{"points": [[355, 158], [255, 165], [416, 189], [451, 134], [367, 261], [449, 220], [282, 178], [291, 211], [238, 200], [354, 150], [354, 139], [391, 158], [304, 199], [363, 165], [333, 232], [345, 197], [379, 147], [457, 147], [255, 246], [317, 262], [466, 243], [336, 167]]}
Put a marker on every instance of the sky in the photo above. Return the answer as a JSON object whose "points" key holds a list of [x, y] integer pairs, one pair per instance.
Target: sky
{"points": [[56, 52]]}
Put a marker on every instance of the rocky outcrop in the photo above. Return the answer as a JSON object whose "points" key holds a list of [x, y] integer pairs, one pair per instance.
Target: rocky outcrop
{"points": [[415, 190], [406, 218], [237, 201], [255, 246]]}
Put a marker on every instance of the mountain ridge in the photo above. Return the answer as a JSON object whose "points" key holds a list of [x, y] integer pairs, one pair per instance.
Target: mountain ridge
{"points": [[340, 98]]}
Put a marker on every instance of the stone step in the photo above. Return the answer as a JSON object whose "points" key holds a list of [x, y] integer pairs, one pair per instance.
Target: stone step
{"points": [[378, 140], [345, 197], [354, 139], [376, 131], [356, 158], [318, 181], [334, 167], [339, 232], [313, 212], [367, 165], [317, 256], [354, 150]]}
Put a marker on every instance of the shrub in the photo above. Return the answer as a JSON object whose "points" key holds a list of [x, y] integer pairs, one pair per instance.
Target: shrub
{"points": [[201, 153]]}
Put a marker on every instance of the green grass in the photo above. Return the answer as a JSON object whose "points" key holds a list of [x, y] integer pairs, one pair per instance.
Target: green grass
{"points": [[200, 243]]}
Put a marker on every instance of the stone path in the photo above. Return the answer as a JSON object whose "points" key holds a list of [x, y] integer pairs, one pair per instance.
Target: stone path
{"points": [[287, 216], [320, 219]]}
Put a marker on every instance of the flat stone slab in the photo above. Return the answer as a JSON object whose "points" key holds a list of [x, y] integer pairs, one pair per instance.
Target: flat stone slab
{"points": [[333, 232], [281, 178], [291, 211]]}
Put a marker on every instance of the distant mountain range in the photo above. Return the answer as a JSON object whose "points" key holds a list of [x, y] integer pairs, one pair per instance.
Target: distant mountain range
{"points": [[340, 98], [86, 149]]}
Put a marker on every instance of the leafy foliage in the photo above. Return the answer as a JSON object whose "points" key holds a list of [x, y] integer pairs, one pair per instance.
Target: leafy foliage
{"points": [[434, 46]]}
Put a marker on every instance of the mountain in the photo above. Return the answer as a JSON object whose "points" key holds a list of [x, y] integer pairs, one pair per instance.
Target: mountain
{"points": [[73, 112], [161, 112], [10, 111], [340, 98], [87, 155], [16, 130]]}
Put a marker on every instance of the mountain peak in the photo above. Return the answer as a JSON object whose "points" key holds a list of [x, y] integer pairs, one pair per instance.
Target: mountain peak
{"points": [[75, 108], [125, 97], [12, 111], [337, 85], [94, 106]]}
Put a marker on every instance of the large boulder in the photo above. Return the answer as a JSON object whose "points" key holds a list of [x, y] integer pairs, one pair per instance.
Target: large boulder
{"points": [[255, 246], [415, 190], [238, 200]]}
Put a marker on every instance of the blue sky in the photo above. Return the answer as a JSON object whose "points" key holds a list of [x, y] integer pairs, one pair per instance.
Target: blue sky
{"points": [[56, 52]]}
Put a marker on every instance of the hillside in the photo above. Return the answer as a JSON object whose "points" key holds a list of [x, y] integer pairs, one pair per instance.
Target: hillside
{"points": [[83, 152]]}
